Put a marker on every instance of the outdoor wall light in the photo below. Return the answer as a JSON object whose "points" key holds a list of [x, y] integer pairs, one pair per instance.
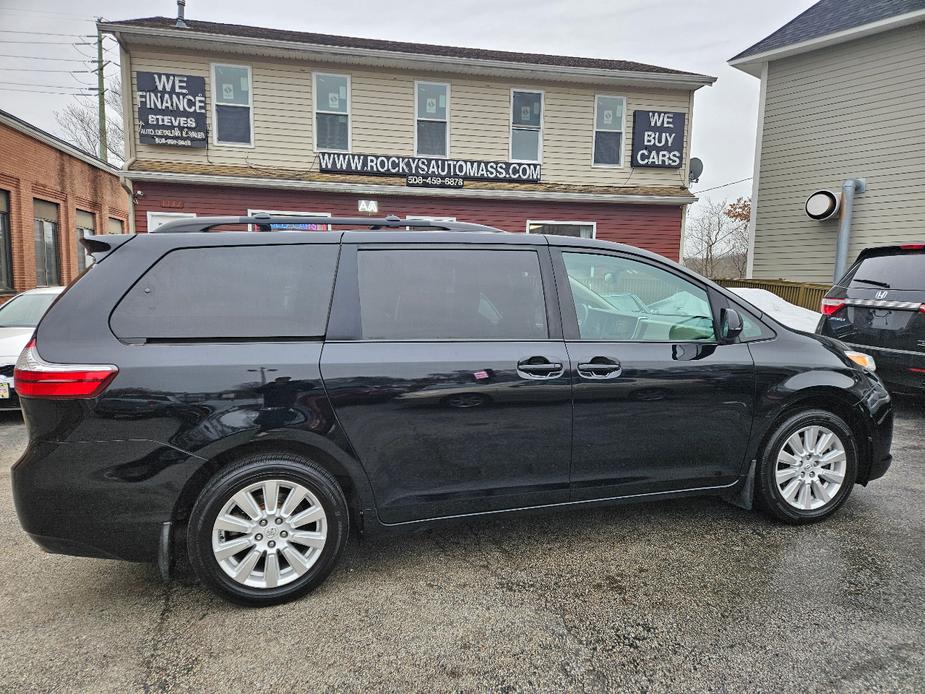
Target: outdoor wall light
{"points": [[823, 204]]}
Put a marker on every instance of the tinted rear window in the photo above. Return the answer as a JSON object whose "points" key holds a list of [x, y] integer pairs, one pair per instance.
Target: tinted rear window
{"points": [[231, 292], [457, 294], [906, 271]]}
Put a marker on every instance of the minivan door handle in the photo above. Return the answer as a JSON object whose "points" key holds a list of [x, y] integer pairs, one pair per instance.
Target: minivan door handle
{"points": [[600, 368], [539, 367]]}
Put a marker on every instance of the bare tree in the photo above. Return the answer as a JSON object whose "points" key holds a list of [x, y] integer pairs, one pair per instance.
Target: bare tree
{"points": [[80, 123], [707, 231], [740, 212]]}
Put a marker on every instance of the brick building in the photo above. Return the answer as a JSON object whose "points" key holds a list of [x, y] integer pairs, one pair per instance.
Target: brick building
{"points": [[50, 193], [231, 119]]}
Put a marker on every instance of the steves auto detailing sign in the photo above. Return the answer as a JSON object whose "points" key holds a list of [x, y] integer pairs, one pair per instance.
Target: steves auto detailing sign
{"points": [[424, 171], [171, 109], [658, 139]]}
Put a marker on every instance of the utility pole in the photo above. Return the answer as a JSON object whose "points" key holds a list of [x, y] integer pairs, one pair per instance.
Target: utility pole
{"points": [[101, 94]]}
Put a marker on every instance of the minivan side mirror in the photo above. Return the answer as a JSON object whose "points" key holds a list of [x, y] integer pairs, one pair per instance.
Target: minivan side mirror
{"points": [[730, 323]]}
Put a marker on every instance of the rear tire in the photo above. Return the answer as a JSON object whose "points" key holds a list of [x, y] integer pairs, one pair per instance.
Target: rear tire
{"points": [[808, 467], [267, 529]]}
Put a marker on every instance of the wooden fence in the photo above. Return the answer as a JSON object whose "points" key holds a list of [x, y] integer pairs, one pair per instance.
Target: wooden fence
{"points": [[805, 294]]}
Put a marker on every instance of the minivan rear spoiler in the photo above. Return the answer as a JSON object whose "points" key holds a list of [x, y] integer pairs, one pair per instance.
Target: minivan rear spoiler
{"points": [[101, 246]]}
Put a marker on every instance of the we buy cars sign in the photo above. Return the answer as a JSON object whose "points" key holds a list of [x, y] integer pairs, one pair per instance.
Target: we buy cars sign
{"points": [[658, 139]]}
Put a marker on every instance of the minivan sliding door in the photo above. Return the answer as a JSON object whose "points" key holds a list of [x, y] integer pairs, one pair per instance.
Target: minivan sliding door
{"points": [[447, 370]]}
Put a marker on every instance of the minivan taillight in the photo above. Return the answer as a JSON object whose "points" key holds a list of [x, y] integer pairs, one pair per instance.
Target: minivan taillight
{"points": [[831, 306], [34, 377]]}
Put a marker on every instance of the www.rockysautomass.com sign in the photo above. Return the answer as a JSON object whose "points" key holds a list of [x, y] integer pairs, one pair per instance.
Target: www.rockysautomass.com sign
{"points": [[467, 169]]}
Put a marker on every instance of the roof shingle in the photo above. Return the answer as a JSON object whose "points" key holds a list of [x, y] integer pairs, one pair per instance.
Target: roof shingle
{"points": [[239, 30], [829, 17]]}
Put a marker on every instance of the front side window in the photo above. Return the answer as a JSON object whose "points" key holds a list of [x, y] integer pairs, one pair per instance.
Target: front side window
{"points": [[233, 106], [86, 226], [47, 265], [6, 243], [619, 299], [432, 106], [456, 294], [526, 126], [231, 292], [332, 112], [609, 113], [580, 230]]}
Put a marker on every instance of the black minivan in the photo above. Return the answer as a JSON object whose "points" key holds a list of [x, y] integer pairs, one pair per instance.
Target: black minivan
{"points": [[249, 398], [879, 306]]}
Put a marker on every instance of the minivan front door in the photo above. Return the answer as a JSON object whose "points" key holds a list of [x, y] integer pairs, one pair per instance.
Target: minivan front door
{"points": [[449, 376], [659, 404]]}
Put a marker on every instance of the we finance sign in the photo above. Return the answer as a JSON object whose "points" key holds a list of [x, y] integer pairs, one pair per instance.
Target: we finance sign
{"points": [[418, 167], [658, 139], [171, 109]]}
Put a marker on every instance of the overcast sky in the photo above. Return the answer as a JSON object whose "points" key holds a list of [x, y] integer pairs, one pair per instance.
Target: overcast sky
{"points": [[695, 36]]}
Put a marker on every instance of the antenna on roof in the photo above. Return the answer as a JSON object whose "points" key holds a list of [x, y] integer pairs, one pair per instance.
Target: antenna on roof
{"points": [[181, 10]]}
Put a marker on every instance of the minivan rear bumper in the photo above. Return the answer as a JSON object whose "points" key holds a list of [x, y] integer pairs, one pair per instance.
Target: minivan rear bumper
{"points": [[97, 498]]}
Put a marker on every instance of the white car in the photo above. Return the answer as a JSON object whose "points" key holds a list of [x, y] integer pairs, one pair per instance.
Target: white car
{"points": [[791, 315], [18, 318]]}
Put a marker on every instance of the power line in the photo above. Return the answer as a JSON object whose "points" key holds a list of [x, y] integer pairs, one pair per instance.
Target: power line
{"points": [[36, 91], [39, 57], [37, 33], [46, 43], [39, 69], [725, 185], [33, 84]]}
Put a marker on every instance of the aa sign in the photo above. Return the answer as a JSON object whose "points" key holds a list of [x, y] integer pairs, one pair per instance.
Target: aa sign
{"points": [[658, 139]]}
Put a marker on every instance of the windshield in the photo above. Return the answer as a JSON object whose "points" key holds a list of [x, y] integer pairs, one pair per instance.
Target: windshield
{"points": [[25, 311], [905, 271]]}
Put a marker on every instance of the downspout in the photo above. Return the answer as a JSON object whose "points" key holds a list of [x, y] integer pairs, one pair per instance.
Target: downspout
{"points": [[848, 189]]}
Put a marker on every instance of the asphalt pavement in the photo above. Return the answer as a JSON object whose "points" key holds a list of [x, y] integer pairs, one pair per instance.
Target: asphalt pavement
{"points": [[687, 595]]}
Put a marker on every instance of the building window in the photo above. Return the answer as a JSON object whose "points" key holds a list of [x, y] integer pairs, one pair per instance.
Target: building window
{"points": [[115, 226], [609, 117], [232, 111], [47, 266], [526, 126], [6, 243], [156, 219], [293, 227], [86, 226], [580, 230], [332, 112], [432, 106]]}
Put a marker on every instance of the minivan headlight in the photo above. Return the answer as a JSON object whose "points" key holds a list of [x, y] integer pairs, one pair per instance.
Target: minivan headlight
{"points": [[861, 359]]}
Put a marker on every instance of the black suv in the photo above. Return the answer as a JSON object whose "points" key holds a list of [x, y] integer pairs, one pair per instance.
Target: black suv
{"points": [[879, 306], [250, 397]]}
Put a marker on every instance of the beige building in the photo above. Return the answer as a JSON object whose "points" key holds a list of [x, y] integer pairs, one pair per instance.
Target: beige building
{"points": [[227, 119], [842, 96]]}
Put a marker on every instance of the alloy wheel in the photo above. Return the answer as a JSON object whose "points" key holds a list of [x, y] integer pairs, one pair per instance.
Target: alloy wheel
{"points": [[811, 467], [269, 533]]}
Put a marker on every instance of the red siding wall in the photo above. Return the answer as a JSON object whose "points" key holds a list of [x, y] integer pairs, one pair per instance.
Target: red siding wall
{"points": [[31, 169], [653, 227]]}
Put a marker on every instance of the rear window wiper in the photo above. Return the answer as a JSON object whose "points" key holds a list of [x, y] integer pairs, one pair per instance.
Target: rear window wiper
{"points": [[876, 283]]}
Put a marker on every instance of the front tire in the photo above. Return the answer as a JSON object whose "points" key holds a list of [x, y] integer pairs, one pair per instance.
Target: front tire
{"points": [[267, 529], [808, 467]]}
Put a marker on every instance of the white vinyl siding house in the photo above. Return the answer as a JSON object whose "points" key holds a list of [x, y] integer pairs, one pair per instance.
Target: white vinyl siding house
{"points": [[853, 109], [382, 118]]}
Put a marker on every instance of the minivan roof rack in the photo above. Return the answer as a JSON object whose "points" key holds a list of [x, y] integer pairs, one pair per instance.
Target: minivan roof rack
{"points": [[263, 221]]}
